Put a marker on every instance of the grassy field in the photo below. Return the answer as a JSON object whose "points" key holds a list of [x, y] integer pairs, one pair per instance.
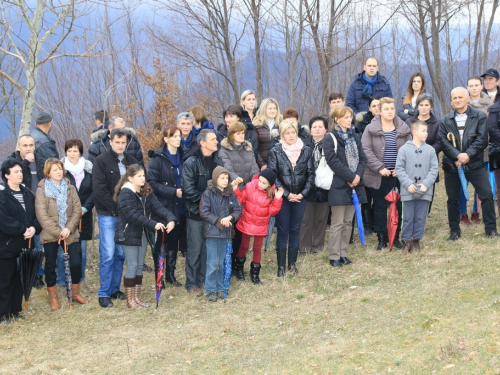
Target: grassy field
{"points": [[435, 312]]}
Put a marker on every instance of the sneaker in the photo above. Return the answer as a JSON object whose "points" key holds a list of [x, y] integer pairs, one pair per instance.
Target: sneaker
{"points": [[464, 218], [118, 295], [38, 284], [475, 218], [212, 297]]}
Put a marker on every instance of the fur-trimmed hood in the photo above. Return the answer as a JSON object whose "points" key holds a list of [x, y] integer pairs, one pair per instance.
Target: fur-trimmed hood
{"points": [[228, 145], [106, 132]]}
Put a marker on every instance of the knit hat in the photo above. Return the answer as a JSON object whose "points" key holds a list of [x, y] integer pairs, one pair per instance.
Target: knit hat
{"points": [[217, 172], [269, 175], [43, 118]]}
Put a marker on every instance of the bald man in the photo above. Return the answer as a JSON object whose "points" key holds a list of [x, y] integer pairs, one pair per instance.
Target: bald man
{"points": [[468, 127]]}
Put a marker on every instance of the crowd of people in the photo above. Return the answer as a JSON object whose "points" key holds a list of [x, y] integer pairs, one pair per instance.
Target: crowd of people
{"points": [[207, 186]]}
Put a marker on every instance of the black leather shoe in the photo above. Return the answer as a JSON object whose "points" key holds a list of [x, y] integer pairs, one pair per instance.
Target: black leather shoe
{"points": [[336, 263], [105, 302], [345, 261], [397, 244], [492, 234], [281, 271], [453, 237], [118, 295]]}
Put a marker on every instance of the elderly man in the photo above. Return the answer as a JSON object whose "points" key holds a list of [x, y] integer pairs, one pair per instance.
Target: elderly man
{"points": [[196, 172], [185, 122], [45, 145], [100, 140], [491, 84], [464, 136], [366, 85]]}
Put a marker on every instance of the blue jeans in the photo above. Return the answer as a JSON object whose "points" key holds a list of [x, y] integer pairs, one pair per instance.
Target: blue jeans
{"points": [[38, 245], [216, 252], [60, 263], [289, 221], [111, 257]]}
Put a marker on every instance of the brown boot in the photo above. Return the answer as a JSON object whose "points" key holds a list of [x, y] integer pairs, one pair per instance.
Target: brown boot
{"points": [[416, 246], [130, 293], [54, 302], [138, 286], [407, 247], [77, 297]]}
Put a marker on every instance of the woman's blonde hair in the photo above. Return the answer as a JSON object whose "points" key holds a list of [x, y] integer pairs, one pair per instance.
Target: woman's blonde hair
{"points": [[244, 95], [261, 113], [340, 112], [287, 124], [48, 166]]}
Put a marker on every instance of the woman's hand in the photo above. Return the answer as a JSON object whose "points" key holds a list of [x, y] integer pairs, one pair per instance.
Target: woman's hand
{"points": [[160, 226], [385, 172], [170, 226], [279, 193], [355, 182], [393, 173], [30, 232], [64, 234], [179, 193]]}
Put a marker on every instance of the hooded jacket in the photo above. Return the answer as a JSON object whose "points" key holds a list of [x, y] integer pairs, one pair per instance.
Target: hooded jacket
{"points": [[134, 211], [257, 209], [473, 142], [355, 98], [100, 144], [15, 220], [373, 143], [239, 160], [48, 216]]}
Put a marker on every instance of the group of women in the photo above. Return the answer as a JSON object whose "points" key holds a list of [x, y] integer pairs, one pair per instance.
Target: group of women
{"points": [[360, 154]]}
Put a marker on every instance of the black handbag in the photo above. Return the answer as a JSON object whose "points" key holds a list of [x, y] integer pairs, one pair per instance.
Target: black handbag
{"points": [[494, 161]]}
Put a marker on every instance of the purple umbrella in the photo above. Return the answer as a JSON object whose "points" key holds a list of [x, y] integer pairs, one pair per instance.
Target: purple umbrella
{"points": [[161, 270]]}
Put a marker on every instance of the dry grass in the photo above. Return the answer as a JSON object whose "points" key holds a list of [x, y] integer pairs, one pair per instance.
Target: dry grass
{"points": [[436, 312]]}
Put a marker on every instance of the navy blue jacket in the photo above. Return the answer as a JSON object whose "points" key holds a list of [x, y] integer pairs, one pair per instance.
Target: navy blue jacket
{"points": [[355, 99]]}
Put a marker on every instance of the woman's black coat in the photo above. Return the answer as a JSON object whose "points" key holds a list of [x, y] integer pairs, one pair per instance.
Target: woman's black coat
{"points": [[134, 211], [340, 193], [15, 220], [87, 200]]}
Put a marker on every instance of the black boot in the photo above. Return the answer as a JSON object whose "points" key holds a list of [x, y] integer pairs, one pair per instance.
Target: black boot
{"points": [[366, 212], [382, 240], [239, 271], [254, 273], [281, 255], [170, 269], [293, 252]]}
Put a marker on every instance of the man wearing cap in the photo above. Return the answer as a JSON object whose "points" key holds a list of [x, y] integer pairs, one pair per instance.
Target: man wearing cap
{"points": [[491, 84], [45, 146]]}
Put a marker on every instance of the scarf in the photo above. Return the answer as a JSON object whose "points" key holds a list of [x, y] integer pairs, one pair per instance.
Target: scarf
{"points": [[317, 153], [187, 142], [76, 170], [271, 124], [368, 89], [60, 194], [292, 151], [351, 148]]}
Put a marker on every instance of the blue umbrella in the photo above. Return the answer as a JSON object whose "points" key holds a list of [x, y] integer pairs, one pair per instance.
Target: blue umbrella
{"points": [[227, 267], [493, 183], [359, 217], [461, 173]]}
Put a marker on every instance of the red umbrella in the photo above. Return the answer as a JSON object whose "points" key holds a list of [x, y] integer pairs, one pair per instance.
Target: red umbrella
{"points": [[392, 220]]}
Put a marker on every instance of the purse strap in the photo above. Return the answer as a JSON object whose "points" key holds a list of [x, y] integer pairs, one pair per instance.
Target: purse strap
{"points": [[334, 145]]}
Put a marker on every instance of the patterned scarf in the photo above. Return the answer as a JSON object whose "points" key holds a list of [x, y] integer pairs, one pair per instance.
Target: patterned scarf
{"points": [[317, 152], [351, 148], [60, 194], [292, 151]]}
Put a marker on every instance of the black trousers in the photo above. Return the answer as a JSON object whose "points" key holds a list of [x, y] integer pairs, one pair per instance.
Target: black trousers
{"points": [[479, 179], [75, 262], [380, 204], [11, 290], [182, 234]]}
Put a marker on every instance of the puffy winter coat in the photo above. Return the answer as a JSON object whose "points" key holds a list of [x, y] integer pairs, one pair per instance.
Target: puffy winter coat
{"points": [[474, 141], [195, 176], [412, 111], [265, 140], [362, 122], [134, 211], [215, 205], [298, 180], [250, 136], [25, 164], [15, 220], [161, 177], [239, 160], [86, 199], [100, 144], [48, 216], [340, 193], [257, 209], [373, 142], [482, 104], [355, 98]]}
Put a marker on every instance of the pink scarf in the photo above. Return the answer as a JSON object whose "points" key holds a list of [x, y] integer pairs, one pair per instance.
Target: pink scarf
{"points": [[292, 151]]}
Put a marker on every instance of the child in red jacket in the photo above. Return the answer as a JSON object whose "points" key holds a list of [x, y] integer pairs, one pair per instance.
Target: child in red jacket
{"points": [[260, 201]]}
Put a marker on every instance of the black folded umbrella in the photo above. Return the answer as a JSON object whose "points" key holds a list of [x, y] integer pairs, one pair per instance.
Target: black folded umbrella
{"points": [[30, 261], [67, 275]]}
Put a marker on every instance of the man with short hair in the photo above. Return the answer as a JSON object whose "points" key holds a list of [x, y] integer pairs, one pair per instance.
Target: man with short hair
{"points": [[100, 140], [464, 136], [336, 100], [106, 172], [367, 84], [185, 123], [491, 84], [45, 146], [196, 172], [478, 99], [101, 120]]}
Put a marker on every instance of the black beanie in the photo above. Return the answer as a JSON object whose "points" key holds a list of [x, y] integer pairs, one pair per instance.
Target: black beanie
{"points": [[269, 175]]}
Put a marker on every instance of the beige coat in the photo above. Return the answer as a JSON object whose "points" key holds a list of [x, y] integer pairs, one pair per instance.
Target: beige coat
{"points": [[48, 217]]}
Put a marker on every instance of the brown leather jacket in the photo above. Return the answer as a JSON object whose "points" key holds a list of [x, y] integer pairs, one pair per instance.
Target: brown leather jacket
{"points": [[48, 217]]}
